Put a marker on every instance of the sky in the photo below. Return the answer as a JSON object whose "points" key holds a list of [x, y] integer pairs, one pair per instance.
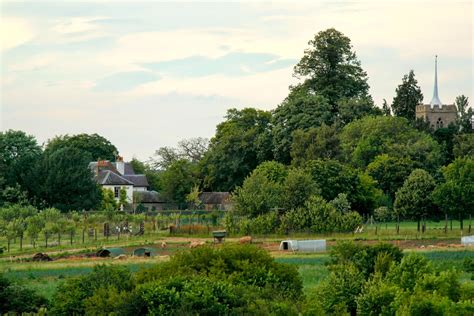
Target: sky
{"points": [[147, 74]]}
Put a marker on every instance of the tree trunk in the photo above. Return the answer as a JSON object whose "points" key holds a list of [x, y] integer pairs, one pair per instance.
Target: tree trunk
{"points": [[46, 240], [71, 237], [418, 224], [59, 239], [445, 223], [398, 224], [21, 242], [461, 221], [83, 234], [8, 244]]}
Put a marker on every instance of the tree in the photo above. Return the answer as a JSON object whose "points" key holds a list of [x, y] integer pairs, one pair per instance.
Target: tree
{"points": [[149, 170], [123, 200], [390, 172], [97, 146], [364, 139], [407, 96], [333, 178], [299, 111], [261, 191], [463, 145], [18, 155], [298, 187], [193, 198], [386, 108], [355, 108], [178, 180], [414, 198], [65, 180], [192, 149], [454, 195], [315, 143], [331, 69], [464, 114], [241, 143]]}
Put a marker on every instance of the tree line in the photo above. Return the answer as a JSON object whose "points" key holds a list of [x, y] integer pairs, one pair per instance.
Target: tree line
{"points": [[326, 140]]}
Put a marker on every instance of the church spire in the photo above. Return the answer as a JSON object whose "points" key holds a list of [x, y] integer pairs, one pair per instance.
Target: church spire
{"points": [[436, 100]]}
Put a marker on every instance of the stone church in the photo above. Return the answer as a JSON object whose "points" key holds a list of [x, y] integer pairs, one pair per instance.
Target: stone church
{"points": [[437, 114]]}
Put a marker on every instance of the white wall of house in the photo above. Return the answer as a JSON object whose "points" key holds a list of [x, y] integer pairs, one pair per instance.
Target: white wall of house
{"points": [[128, 189], [139, 189]]}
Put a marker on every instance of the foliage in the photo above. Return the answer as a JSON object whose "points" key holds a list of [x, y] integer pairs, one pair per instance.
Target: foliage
{"points": [[97, 146], [193, 198], [414, 198], [108, 203], [178, 180], [17, 299], [355, 108], [463, 145], [65, 180], [464, 113], [383, 214], [390, 172], [298, 187], [18, 155], [299, 111], [262, 190], [376, 297], [407, 96], [315, 143], [319, 216], [364, 139], [454, 195], [192, 149], [241, 143], [72, 295], [331, 69]]}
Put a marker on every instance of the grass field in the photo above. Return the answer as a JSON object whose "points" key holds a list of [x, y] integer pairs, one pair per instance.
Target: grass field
{"points": [[45, 277]]}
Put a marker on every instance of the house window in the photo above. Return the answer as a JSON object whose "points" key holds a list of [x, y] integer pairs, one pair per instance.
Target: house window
{"points": [[117, 192]]}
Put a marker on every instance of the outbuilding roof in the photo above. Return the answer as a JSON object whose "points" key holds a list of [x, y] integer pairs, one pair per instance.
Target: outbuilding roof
{"points": [[215, 197], [139, 180]]}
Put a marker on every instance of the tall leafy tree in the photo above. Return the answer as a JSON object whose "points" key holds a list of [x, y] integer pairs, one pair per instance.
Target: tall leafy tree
{"points": [[407, 96], [65, 180], [355, 108], [463, 145], [97, 146], [241, 143], [299, 111], [19, 153], [331, 69], [465, 114], [414, 198], [320, 142], [454, 195], [178, 180]]}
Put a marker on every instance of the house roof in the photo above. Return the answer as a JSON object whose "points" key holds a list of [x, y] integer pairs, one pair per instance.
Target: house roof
{"points": [[215, 197], [139, 180], [128, 168], [107, 177], [148, 197]]}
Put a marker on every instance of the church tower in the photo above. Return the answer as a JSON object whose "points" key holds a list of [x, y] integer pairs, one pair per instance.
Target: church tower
{"points": [[437, 114]]}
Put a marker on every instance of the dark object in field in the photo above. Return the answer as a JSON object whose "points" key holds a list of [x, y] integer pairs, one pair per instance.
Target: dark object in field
{"points": [[110, 252], [144, 252], [219, 236], [41, 257]]}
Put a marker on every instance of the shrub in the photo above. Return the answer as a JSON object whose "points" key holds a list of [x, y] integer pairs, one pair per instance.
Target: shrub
{"points": [[16, 298], [410, 270], [71, 295], [377, 297]]}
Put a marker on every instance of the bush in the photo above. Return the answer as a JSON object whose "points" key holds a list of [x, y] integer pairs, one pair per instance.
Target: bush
{"points": [[411, 269], [71, 295], [16, 298], [377, 297]]}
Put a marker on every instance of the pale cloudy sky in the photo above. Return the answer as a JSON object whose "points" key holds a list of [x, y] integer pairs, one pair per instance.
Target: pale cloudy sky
{"points": [[147, 74]]}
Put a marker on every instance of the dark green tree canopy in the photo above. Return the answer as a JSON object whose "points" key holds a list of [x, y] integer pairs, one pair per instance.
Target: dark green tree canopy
{"points": [[465, 114], [414, 198], [331, 69], [407, 96], [65, 180], [300, 111], [97, 146], [18, 154], [364, 139], [315, 143], [178, 180], [454, 195], [241, 143]]}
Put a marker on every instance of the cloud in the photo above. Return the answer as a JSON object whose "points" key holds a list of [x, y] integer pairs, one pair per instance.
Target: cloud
{"points": [[14, 32], [123, 81], [232, 64]]}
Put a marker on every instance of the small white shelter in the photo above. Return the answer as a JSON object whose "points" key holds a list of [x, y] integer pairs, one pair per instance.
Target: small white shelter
{"points": [[467, 241], [304, 245]]}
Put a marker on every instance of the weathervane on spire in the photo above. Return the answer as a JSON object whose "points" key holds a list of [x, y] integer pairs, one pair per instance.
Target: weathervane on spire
{"points": [[436, 100]]}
